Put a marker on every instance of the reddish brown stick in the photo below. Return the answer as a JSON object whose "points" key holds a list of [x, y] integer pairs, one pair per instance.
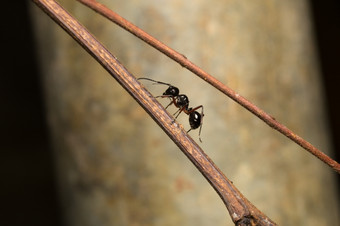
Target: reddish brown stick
{"points": [[240, 209], [182, 60]]}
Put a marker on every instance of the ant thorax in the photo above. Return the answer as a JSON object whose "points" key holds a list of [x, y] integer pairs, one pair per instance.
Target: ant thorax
{"points": [[182, 101]]}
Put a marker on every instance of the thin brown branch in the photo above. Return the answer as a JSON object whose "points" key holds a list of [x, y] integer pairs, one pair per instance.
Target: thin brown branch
{"points": [[240, 209], [182, 60]]}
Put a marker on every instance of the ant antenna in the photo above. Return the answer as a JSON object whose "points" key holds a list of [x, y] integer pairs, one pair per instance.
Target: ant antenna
{"points": [[156, 82]]}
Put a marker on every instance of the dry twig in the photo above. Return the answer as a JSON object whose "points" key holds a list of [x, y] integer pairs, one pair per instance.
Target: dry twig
{"points": [[182, 60], [240, 209]]}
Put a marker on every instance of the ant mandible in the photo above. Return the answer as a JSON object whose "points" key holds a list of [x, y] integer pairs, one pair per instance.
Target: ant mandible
{"points": [[181, 101]]}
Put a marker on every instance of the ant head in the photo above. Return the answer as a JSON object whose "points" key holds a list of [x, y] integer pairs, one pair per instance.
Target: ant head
{"points": [[171, 91]]}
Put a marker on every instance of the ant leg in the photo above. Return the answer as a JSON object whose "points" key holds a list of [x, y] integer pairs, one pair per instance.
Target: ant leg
{"points": [[199, 135], [171, 97], [176, 112], [179, 111], [194, 109], [164, 96], [169, 104]]}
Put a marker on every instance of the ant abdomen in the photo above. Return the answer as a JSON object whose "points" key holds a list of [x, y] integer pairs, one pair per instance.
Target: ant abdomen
{"points": [[195, 120]]}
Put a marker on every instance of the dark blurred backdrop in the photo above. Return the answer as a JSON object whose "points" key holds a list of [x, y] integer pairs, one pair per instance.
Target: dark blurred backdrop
{"points": [[28, 187]]}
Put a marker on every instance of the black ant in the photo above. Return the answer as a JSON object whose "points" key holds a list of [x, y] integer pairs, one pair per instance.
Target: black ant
{"points": [[181, 101]]}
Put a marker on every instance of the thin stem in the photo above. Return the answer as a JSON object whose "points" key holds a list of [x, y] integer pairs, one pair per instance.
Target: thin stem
{"points": [[240, 209], [182, 60]]}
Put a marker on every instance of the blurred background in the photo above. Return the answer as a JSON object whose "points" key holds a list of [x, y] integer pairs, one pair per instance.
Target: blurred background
{"points": [[28, 188]]}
